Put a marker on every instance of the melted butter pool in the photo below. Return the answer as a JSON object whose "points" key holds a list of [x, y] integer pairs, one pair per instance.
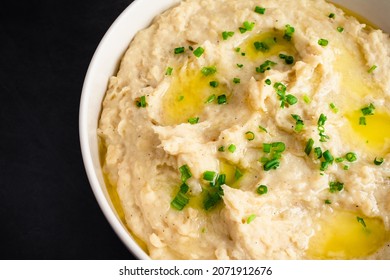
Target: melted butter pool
{"points": [[273, 39], [342, 236], [375, 135], [187, 95]]}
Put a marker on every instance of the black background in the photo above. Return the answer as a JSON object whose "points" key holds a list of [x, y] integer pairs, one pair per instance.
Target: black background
{"points": [[47, 208]]}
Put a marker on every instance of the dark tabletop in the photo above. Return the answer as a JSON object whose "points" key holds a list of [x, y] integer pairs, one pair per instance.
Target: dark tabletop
{"points": [[47, 208]]}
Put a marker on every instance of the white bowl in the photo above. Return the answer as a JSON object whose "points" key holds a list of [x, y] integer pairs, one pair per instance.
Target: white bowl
{"points": [[104, 64]]}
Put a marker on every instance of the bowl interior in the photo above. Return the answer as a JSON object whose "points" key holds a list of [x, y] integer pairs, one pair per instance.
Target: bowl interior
{"points": [[105, 63]]}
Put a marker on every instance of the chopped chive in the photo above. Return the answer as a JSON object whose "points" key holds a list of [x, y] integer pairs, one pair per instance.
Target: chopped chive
{"points": [[190, 48], [169, 70], [221, 99], [179, 50], [334, 108], [309, 146], [362, 121], [267, 148], [214, 84], [262, 189], [249, 135], [232, 148], [306, 99], [288, 32], [351, 157], [141, 102], [332, 15], [247, 26], [227, 34], [236, 80], [238, 49], [185, 172], [361, 221], [243, 54], [299, 123], [259, 10], [271, 164], [279, 147], [193, 120], [211, 98], [221, 179], [335, 186], [265, 66], [327, 201], [213, 198], [263, 129], [339, 159], [368, 110], [210, 70], [268, 82], [250, 218], [372, 69], [237, 174], [324, 165], [328, 156], [240, 65], [221, 149], [323, 42], [291, 99], [340, 29], [346, 167], [287, 58], [180, 201], [318, 152], [261, 46], [210, 176], [181, 97], [198, 52], [378, 161]]}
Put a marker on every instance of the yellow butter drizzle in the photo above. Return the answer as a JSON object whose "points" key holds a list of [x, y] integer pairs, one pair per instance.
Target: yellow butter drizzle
{"points": [[187, 95], [342, 236]]}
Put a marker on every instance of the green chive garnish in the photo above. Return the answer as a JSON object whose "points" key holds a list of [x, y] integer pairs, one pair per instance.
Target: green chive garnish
{"points": [[372, 69], [271, 164], [211, 98], [318, 152], [210, 70], [236, 80], [351, 157], [361, 221], [259, 10], [250, 218], [232, 148], [262, 189], [287, 58], [169, 70], [185, 172], [309, 146], [249, 135], [265, 66], [323, 42], [340, 29], [288, 32], [194, 120], [214, 84], [221, 99], [368, 110], [141, 102], [362, 121], [268, 82], [378, 161], [335, 186], [179, 50], [210, 176], [237, 174], [199, 51], [332, 15], [227, 34]]}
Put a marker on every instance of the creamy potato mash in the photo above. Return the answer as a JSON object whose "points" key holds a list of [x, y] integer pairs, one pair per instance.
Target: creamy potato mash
{"points": [[253, 130]]}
